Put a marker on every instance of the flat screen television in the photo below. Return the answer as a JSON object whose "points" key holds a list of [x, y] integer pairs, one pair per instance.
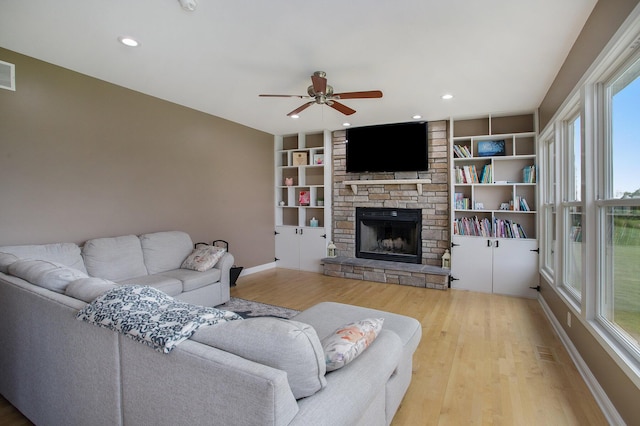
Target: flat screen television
{"points": [[399, 147]]}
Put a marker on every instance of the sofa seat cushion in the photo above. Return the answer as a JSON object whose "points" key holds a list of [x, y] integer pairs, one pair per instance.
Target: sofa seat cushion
{"points": [[164, 251], [114, 258], [67, 254], [43, 273], [325, 317], [287, 345], [171, 286], [192, 280], [351, 390]]}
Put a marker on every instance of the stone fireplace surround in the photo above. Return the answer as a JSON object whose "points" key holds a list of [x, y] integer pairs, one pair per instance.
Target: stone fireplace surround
{"points": [[433, 200]]}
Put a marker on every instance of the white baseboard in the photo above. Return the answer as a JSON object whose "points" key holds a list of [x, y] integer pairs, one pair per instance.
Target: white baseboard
{"points": [[259, 268], [603, 401]]}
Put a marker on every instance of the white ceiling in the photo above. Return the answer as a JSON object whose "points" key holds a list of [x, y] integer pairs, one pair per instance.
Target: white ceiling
{"points": [[494, 56]]}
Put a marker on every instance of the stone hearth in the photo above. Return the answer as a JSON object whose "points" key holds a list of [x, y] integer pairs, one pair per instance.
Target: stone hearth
{"points": [[431, 197], [382, 271]]}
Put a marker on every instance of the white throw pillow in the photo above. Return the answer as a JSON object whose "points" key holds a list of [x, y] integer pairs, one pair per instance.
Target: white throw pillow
{"points": [[203, 258], [347, 342], [50, 275]]}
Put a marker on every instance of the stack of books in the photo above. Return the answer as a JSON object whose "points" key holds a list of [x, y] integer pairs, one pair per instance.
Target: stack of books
{"points": [[462, 151]]}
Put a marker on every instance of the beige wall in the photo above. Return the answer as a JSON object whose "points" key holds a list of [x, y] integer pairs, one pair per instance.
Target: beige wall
{"points": [[81, 158], [605, 19]]}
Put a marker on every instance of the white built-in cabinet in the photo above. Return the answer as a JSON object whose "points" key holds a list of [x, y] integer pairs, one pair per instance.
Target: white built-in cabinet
{"points": [[494, 245], [302, 199]]}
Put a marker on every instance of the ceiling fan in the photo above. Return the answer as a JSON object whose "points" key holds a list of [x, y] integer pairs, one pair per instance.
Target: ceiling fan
{"points": [[322, 94]]}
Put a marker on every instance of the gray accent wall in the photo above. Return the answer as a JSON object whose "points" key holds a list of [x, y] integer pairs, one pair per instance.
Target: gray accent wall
{"points": [[81, 158]]}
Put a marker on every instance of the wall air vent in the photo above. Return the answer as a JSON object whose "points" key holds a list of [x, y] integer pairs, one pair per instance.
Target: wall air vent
{"points": [[7, 76]]}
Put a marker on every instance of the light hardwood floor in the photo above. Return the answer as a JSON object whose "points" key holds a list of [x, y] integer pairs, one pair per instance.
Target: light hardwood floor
{"points": [[483, 359]]}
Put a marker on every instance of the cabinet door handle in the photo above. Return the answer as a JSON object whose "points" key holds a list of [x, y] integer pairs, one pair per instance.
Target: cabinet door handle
{"points": [[497, 243], [489, 243], [301, 231]]}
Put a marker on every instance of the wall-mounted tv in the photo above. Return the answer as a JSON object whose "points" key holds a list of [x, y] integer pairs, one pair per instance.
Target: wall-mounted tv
{"points": [[399, 147]]}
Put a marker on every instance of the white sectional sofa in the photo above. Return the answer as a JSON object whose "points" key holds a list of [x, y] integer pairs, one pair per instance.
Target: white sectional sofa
{"points": [[152, 259], [57, 369]]}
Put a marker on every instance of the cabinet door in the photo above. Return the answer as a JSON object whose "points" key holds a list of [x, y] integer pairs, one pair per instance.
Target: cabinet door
{"points": [[515, 267], [288, 247], [312, 248], [471, 264]]}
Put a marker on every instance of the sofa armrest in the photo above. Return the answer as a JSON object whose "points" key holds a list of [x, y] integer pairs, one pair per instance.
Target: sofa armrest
{"points": [[224, 264]]}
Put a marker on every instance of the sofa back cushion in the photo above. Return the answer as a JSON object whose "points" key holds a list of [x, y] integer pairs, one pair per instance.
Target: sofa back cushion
{"points": [[165, 251], [44, 273], [114, 258], [67, 254], [287, 345]]}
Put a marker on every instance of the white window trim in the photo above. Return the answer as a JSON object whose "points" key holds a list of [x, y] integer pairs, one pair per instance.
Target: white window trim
{"points": [[615, 53]]}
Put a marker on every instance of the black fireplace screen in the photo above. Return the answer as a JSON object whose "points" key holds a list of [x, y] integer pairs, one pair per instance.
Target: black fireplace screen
{"points": [[389, 234]]}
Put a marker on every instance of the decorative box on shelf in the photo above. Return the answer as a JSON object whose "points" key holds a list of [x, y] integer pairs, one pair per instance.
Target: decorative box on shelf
{"points": [[300, 159]]}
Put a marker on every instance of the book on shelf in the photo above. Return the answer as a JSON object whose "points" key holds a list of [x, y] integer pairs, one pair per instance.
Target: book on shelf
{"points": [[462, 151], [472, 226], [487, 174], [460, 202], [466, 174], [529, 174], [522, 204], [508, 229]]}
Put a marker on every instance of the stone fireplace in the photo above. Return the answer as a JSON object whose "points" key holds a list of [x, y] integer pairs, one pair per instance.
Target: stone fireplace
{"points": [[430, 199], [389, 234]]}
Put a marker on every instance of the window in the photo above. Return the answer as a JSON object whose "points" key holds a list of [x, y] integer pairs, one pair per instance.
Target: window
{"points": [[572, 209], [619, 210], [548, 240]]}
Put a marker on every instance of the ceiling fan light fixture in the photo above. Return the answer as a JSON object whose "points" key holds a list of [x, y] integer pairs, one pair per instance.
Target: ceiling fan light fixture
{"points": [[447, 96], [188, 5], [346, 124], [417, 117], [294, 116], [129, 41]]}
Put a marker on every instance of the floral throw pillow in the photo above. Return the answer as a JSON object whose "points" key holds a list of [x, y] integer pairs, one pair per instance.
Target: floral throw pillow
{"points": [[203, 258], [347, 342]]}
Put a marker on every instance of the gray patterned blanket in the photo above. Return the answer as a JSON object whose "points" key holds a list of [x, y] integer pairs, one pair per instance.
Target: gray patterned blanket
{"points": [[150, 316]]}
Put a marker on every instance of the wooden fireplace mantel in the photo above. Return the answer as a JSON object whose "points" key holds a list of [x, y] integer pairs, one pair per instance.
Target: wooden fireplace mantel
{"points": [[417, 182]]}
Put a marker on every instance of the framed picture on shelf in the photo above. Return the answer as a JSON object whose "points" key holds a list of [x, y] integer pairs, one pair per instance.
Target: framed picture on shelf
{"points": [[303, 198], [318, 159], [491, 148]]}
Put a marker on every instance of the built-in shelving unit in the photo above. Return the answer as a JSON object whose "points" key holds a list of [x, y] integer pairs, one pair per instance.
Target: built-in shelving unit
{"points": [[493, 200], [302, 198]]}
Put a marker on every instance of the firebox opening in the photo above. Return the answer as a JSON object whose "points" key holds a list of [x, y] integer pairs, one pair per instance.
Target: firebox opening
{"points": [[389, 234]]}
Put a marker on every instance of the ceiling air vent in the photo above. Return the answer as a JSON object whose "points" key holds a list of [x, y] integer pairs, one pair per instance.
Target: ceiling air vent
{"points": [[7, 76]]}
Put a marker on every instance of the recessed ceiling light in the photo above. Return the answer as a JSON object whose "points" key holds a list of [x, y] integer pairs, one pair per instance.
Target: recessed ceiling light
{"points": [[294, 116], [128, 41], [447, 96], [346, 124], [417, 117]]}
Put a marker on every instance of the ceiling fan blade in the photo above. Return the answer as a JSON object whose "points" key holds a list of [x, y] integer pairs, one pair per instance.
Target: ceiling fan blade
{"points": [[301, 108], [286, 96], [358, 95], [319, 84], [341, 107]]}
